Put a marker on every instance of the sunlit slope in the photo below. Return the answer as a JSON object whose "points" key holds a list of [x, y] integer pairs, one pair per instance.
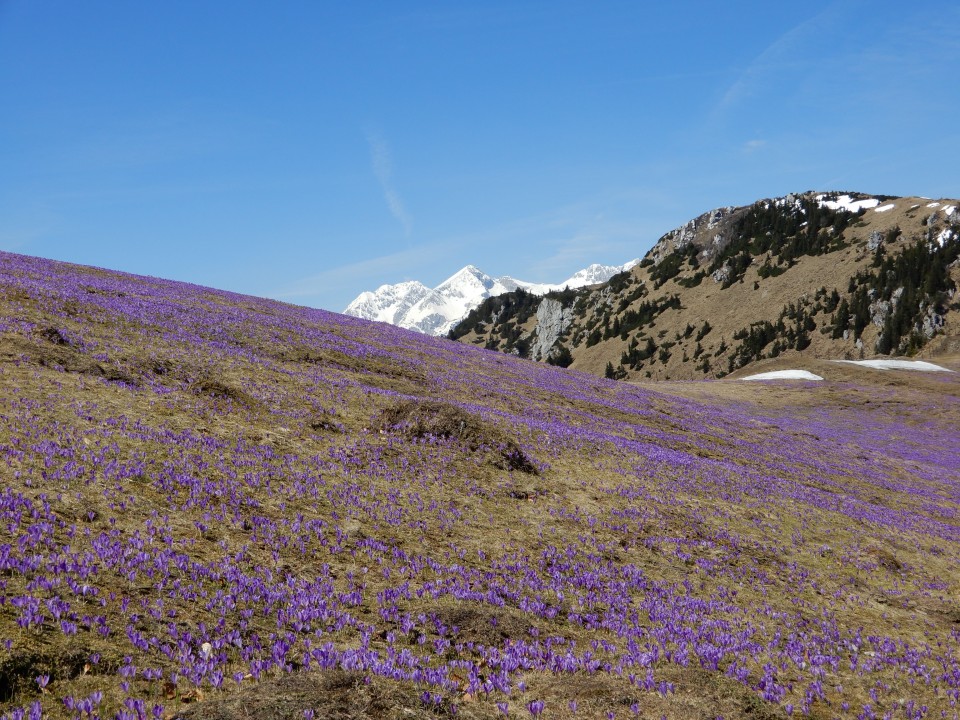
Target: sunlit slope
{"points": [[811, 275], [221, 506]]}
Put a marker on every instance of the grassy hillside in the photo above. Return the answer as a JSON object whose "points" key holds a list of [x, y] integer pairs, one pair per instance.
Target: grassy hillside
{"points": [[218, 506], [811, 275]]}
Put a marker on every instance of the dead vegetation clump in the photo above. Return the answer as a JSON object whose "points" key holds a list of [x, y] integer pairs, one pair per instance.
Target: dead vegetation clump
{"points": [[431, 418], [482, 624], [376, 371], [324, 421], [301, 355], [18, 671], [59, 354], [948, 614], [885, 558], [697, 693], [52, 334], [220, 390], [329, 694], [158, 366], [593, 695]]}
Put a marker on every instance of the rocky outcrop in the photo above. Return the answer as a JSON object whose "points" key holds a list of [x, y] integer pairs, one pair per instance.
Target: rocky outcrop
{"points": [[932, 323], [552, 320], [704, 231], [879, 309], [722, 275]]}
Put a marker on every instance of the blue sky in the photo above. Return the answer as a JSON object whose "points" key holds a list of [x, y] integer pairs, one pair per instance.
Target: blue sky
{"points": [[311, 150]]}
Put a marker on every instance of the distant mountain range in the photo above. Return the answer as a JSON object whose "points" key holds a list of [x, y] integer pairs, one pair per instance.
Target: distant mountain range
{"points": [[414, 306]]}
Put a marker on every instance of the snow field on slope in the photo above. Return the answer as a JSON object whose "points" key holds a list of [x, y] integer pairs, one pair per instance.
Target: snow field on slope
{"points": [[784, 375], [893, 364], [845, 202]]}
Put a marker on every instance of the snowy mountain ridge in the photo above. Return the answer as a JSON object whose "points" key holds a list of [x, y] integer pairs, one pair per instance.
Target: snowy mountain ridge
{"points": [[414, 306]]}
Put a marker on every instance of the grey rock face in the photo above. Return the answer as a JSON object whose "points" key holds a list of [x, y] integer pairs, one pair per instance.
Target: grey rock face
{"points": [[879, 310], [715, 216], [552, 320], [721, 275], [684, 235], [932, 323], [875, 240]]}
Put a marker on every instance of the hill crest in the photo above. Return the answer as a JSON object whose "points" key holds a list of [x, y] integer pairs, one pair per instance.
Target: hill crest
{"points": [[833, 275]]}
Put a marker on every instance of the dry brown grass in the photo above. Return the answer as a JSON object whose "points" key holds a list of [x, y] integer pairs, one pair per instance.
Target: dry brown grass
{"points": [[333, 694], [461, 459]]}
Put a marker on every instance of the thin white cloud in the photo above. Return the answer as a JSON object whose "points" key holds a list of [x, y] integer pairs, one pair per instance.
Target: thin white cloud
{"points": [[383, 170], [13, 240], [576, 251], [365, 274], [752, 145], [35, 225], [544, 247], [782, 54], [611, 227], [605, 242]]}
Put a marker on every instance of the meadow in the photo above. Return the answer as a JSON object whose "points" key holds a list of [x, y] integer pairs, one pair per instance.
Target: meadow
{"points": [[219, 506]]}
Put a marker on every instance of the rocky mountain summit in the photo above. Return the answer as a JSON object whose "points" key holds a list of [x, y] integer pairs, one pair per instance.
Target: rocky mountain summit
{"points": [[832, 275]]}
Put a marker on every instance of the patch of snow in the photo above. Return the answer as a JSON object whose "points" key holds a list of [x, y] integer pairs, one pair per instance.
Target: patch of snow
{"points": [[784, 375], [884, 208], [845, 202], [949, 210], [790, 200], [933, 204], [891, 364], [945, 236]]}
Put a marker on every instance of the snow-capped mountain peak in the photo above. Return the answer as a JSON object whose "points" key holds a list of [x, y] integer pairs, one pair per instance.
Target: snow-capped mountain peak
{"points": [[414, 306], [388, 303], [449, 302], [596, 273], [470, 276]]}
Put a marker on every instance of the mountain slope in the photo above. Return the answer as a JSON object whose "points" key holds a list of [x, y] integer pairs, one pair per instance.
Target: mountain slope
{"points": [[413, 306], [220, 506], [814, 274]]}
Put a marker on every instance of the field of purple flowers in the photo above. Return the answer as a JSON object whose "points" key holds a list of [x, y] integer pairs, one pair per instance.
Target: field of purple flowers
{"points": [[218, 506]]}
